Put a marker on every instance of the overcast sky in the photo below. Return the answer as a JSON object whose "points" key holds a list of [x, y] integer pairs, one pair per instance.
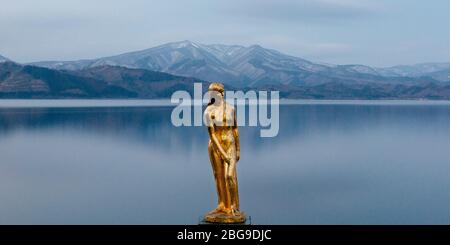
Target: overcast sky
{"points": [[377, 32]]}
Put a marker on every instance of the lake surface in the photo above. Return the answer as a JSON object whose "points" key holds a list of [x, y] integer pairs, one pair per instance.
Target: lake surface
{"points": [[122, 162]]}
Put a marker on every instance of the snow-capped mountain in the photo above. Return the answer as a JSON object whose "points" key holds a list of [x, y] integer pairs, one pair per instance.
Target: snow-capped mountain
{"points": [[239, 65], [228, 63], [3, 59], [138, 75]]}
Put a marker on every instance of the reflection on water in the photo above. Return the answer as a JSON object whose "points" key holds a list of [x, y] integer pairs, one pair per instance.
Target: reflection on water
{"points": [[330, 164]]}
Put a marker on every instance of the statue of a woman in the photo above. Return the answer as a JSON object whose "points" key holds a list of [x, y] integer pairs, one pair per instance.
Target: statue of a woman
{"points": [[224, 153]]}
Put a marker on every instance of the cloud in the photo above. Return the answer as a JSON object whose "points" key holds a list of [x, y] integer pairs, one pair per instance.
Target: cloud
{"points": [[305, 10], [334, 31], [324, 52]]}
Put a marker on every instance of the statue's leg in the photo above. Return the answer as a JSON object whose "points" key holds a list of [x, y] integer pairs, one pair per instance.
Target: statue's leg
{"points": [[236, 190], [231, 180], [219, 177], [228, 193]]}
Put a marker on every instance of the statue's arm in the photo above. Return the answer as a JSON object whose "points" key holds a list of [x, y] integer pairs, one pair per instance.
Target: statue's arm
{"points": [[215, 141], [236, 137]]}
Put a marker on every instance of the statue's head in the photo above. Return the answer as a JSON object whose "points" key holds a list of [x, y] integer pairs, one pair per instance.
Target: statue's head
{"points": [[216, 86], [216, 91]]}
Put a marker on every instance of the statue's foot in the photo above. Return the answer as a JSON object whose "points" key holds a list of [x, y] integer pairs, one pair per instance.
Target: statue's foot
{"points": [[228, 211], [220, 209], [214, 211], [235, 211]]}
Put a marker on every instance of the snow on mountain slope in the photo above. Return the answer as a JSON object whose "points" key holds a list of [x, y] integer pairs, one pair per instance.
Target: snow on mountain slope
{"points": [[3, 59], [240, 65]]}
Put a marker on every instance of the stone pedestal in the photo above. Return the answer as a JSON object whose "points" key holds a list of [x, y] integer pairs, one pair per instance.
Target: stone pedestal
{"points": [[225, 218]]}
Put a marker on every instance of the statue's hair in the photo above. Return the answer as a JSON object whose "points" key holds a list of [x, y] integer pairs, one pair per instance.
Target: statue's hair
{"points": [[216, 86]]}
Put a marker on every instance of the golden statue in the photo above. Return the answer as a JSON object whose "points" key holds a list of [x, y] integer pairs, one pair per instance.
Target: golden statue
{"points": [[224, 153]]}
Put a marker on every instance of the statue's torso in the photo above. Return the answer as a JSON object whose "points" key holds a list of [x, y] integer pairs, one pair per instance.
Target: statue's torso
{"points": [[222, 129]]}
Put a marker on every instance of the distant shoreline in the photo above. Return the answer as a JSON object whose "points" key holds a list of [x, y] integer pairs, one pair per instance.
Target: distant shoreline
{"points": [[80, 103]]}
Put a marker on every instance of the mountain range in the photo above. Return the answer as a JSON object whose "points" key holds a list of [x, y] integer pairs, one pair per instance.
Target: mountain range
{"points": [[155, 72], [251, 66]]}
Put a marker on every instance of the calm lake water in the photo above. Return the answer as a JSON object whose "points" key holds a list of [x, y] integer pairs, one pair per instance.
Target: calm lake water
{"points": [[124, 163]]}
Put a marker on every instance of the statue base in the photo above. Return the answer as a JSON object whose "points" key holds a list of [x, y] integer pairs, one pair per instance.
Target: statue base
{"points": [[224, 218]]}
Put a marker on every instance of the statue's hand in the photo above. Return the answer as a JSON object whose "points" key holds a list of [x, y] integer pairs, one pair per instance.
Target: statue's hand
{"points": [[226, 158]]}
